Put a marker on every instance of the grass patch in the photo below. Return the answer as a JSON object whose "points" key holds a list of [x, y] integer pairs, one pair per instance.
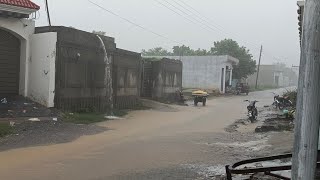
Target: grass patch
{"points": [[84, 118], [262, 88], [120, 113], [5, 129]]}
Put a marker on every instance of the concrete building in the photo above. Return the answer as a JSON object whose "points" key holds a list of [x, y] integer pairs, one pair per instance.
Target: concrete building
{"points": [[69, 70], [206, 72], [274, 76], [162, 78], [16, 32]]}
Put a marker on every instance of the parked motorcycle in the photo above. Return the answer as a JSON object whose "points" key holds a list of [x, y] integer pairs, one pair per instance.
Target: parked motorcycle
{"points": [[252, 110], [282, 102]]}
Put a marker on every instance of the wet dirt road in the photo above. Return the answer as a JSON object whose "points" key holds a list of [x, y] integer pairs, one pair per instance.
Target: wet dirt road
{"points": [[169, 143]]}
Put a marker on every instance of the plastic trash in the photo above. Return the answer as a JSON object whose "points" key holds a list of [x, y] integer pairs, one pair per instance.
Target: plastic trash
{"points": [[112, 117], [34, 119], [4, 101], [12, 124]]}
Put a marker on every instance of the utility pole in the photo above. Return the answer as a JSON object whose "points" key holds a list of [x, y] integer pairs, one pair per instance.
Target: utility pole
{"points": [[258, 68], [308, 109], [48, 13]]}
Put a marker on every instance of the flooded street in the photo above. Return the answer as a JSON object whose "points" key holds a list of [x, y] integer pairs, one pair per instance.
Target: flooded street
{"points": [[168, 143]]}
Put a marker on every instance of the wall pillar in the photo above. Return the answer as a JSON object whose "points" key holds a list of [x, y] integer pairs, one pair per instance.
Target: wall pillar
{"points": [[231, 71]]}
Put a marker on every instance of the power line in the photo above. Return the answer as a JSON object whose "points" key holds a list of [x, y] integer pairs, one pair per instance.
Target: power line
{"points": [[198, 14], [48, 12], [174, 11], [202, 23], [133, 23], [200, 18]]}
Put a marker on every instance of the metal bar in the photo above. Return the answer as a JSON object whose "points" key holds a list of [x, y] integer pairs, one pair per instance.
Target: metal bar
{"points": [[276, 175], [257, 170], [285, 156], [228, 173]]}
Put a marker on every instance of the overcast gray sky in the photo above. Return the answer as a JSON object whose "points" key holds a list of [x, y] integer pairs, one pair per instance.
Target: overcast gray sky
{"points": [[272, 23]]}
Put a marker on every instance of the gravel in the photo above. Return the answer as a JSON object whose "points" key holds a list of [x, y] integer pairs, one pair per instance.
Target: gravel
{"points": [[29, 134]]}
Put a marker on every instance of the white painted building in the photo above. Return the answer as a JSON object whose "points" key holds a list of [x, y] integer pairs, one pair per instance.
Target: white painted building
{"points": [[206, 72], [26, 63]]}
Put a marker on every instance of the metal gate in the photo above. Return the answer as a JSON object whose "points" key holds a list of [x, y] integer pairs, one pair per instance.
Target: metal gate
{"points": [[147, 79], [9, 63]]}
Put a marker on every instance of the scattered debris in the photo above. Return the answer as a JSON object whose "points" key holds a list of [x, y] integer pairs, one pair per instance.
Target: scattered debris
{"points": [[4, 101], [112, 117], [34, 119], [12, 123]]}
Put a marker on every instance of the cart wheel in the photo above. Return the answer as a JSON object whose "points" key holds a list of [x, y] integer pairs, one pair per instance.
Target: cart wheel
{"points": [[204, 102]]}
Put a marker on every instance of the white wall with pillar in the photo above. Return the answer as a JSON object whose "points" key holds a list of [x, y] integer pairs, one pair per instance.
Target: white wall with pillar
{"points": [[42, 70]]}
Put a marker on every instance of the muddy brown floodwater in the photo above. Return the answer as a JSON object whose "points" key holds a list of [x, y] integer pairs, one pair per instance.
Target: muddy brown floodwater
{"points": [[183, 143]]}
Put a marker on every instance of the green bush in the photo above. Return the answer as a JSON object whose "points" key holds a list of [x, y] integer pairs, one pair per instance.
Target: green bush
{"points": [[292, 94], [5, 129]]}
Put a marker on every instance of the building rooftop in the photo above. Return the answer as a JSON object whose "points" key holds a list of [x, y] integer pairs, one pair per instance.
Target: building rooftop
{"points": [[21, 3]]}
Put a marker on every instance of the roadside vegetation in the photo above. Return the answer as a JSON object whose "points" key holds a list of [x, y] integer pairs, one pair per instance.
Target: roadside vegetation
{"points": [[245, 68], [5, 129], [292, 94], [262, 88]]}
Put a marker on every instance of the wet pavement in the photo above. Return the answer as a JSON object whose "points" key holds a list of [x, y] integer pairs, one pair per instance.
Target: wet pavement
{"points": [[187, 143]]}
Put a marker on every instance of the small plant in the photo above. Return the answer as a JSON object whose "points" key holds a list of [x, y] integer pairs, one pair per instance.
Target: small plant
{"points": [[84, 118], [5, 129], [292, 94]]}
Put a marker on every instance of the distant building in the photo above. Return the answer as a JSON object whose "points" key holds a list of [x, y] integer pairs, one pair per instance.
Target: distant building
{"points": [[161, 79], [274, 76], [206, 72]]}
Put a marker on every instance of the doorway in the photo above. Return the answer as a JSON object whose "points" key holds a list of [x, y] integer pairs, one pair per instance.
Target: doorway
{"points": [[9, 63]]}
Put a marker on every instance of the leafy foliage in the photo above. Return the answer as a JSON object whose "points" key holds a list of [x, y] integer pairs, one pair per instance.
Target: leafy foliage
{"points": [[5, 129], [246, 66], [158, 51], [292, 94]]}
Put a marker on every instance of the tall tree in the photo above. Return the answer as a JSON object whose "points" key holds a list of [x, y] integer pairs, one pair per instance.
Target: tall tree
{"points": [[158, 51], [246, 66], [182, 51]]}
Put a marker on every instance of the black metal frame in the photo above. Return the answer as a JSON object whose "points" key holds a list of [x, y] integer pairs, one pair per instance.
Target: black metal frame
{"points": [[266, 170]]}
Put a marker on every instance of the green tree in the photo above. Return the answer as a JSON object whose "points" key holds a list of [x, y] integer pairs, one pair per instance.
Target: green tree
{"points": [[201, 52], [158, 51], [182, 51], [246, 66]]}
